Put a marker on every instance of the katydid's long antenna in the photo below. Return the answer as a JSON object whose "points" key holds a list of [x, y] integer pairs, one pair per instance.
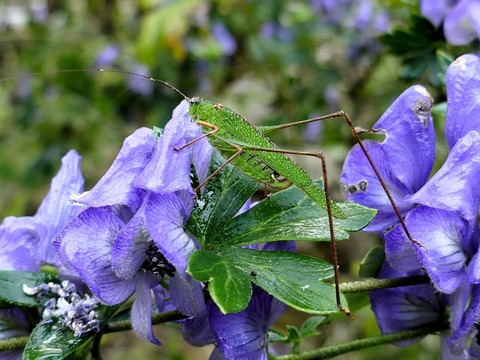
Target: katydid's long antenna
{"points": [[164, 83]]}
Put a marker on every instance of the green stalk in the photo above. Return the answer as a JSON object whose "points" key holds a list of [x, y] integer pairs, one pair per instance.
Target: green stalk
{"points": [[329, 352]]}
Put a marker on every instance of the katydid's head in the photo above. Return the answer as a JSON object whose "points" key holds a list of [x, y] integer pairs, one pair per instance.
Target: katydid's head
{"points": [[194, 102]]}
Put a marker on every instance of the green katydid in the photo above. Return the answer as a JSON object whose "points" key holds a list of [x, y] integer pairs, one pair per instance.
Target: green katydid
{"points": [[251, 151]]}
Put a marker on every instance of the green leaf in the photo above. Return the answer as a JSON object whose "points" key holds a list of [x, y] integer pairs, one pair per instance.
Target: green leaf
{"points": [[11, 286], [372, 262], [47, 341], [289, 215], [295, 279], [221, 199], [309, 327], [229, 287]]}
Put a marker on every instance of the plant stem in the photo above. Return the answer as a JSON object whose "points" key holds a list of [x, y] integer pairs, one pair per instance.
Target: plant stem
{"points": [[376, 284], [335, 350]]}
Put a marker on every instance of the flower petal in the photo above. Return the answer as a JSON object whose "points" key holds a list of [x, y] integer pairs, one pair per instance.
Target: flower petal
{"points": [[441, 233], [130, 247], [410, 139], [363, 186], [463, 94], [187, 295], [405, 158], [435, 11], [19, 239], [142, 313], [196, 331], [471, 317], [461, 25], [165, 216], [56, 210], [116, 186], [455, 186], [399, 251], [473, 273], [169, 169], [243, 335], [406, 307], [86, 245]]}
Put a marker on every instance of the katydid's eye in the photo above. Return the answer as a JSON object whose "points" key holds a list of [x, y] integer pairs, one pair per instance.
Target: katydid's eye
{"points": [[277, 177], [195, 100]]}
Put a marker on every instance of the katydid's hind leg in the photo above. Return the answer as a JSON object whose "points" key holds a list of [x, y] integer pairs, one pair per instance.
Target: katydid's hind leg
{"points": [[355, 131], [379, 177], [333, 246]]}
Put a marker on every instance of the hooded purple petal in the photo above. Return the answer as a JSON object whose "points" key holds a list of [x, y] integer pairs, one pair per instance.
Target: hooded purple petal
{"points": [[86, 245], [243, 335], [116, 186], [462, 24], [19, 239], [409, 137], [405, 158], [455, 186], [463, 94], [142, 313], [56, 209], [165, 216], [169, 169]]}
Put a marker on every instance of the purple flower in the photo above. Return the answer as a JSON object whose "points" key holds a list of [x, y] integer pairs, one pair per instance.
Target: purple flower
{"points": [[445, 220], [26, 241], [107, 56], [140, 85], [225, 38], [461, 19], [435, 11], [243, 335], [404, 159], [132, 234], [462, 23], [463, 91]]}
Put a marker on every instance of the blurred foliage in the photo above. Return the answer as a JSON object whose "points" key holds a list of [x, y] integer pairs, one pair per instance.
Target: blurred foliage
{"points": [[273, 62]]}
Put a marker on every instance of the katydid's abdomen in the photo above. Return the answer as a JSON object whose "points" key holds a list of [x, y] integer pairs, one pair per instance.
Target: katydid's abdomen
{"points": [[273, 168]]}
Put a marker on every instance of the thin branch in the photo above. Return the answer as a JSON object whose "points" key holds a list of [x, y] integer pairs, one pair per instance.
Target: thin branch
{"points": [[336, 350], [377, 284]]}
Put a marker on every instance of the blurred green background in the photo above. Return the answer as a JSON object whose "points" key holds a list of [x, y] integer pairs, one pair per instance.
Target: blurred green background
{"points": [[273, 62]]}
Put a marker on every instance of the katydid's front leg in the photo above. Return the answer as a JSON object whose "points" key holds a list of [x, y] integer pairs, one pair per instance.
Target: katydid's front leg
{"points": [[210, 133]]}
